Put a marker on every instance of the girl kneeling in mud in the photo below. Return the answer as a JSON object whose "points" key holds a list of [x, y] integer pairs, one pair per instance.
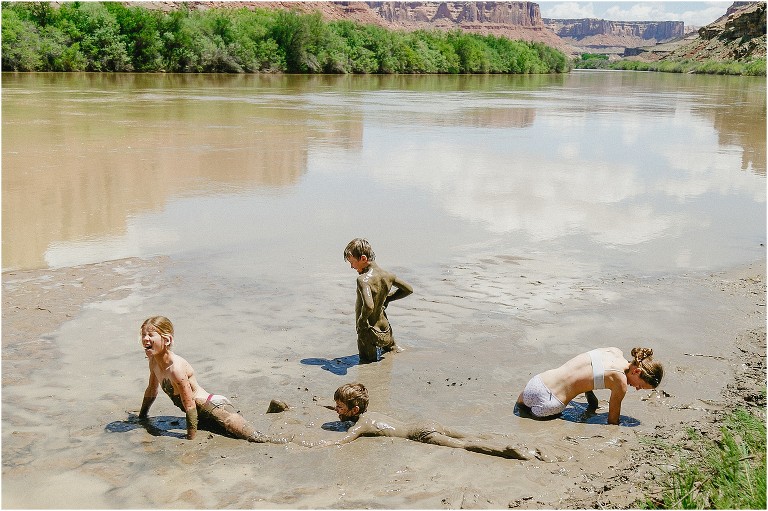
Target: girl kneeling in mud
{"points": [[547, 394]]}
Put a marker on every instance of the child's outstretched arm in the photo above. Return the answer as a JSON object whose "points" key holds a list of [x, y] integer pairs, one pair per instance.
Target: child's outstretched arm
{"points": [[352, 433], [149, 395]]}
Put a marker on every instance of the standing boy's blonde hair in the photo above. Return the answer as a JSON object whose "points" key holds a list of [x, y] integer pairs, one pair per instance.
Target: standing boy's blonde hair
{"points": [[358, 248]]}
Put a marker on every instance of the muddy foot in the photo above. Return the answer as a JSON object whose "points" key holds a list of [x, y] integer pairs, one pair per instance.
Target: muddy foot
{"points": [[515, 453]]}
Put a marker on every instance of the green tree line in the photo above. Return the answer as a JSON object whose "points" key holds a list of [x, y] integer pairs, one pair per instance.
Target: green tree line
{"points": [[753, 67], [111, 37]]}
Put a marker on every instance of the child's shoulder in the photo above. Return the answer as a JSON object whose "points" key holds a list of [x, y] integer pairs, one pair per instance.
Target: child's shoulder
{"points": [[369, 273], [180, 364], [175, 357]]}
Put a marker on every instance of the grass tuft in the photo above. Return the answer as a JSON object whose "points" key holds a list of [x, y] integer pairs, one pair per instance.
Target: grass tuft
{"points": [[729, 473]]}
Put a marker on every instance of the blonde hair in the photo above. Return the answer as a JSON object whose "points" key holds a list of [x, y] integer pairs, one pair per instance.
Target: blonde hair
{"points": [[352, 394], [651, 371], [358, 248], [162, 325]]}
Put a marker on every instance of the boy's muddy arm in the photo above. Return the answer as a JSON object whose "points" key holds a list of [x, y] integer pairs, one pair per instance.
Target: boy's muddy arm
{"points": [[403, 289], [364, 291], [351, 434]]}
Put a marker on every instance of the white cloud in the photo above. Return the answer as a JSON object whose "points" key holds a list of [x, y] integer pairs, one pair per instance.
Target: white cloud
{"points": [[692, 13], [567, 10], [704, 17], [645, 11]]}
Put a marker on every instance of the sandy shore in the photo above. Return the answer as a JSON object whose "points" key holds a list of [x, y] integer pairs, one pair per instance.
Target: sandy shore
{"points": [[73, 371]]}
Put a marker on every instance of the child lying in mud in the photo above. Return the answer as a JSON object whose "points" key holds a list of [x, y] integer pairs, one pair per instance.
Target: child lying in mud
{"points": [[176, 377], [547, 394], [352, 403]]}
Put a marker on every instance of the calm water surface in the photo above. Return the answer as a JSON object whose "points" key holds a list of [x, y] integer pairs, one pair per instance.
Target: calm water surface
{"points": [[246, 175]]}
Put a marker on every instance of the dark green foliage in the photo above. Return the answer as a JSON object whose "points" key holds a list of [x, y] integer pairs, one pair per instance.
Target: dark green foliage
{"points": [[108, 36], [141, 29], [97, 34], [21, 43]]}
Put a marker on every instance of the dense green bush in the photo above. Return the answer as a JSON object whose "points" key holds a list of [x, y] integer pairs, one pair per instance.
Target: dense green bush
{"points": [[109, 36]]}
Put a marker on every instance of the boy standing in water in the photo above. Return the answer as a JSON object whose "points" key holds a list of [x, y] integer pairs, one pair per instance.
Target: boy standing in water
{"points": [[373, 295]]}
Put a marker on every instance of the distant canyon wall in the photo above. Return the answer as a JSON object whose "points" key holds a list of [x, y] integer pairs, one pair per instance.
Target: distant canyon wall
{"points": [[578, 29], [523, 14]]}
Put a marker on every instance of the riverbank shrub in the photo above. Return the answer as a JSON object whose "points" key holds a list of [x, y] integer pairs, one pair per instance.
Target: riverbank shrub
{"points": [[591, 56], [755, 67], [730, 67], [110, 36]]}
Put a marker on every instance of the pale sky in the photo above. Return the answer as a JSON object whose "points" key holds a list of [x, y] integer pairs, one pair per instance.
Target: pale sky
{"points": [[692, 13]]}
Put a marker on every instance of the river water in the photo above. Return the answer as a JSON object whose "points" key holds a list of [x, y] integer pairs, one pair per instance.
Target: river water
{"points": [[622, 171], [535, 216]]}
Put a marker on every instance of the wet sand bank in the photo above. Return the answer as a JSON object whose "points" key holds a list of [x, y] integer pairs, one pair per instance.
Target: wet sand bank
{"points": [[73, 372]]}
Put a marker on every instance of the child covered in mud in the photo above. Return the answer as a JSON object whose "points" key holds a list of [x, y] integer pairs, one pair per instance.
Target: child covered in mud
{"points": [[175, 376], [352, 403], [374, 286], [547, 394]]}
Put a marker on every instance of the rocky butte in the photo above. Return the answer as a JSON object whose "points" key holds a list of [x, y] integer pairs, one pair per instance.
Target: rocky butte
{"points": [[515, 20], [525, 14], [603, 36]]}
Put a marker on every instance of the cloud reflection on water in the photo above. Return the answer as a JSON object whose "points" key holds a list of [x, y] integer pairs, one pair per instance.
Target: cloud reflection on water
{"points": [[588, 162]]}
